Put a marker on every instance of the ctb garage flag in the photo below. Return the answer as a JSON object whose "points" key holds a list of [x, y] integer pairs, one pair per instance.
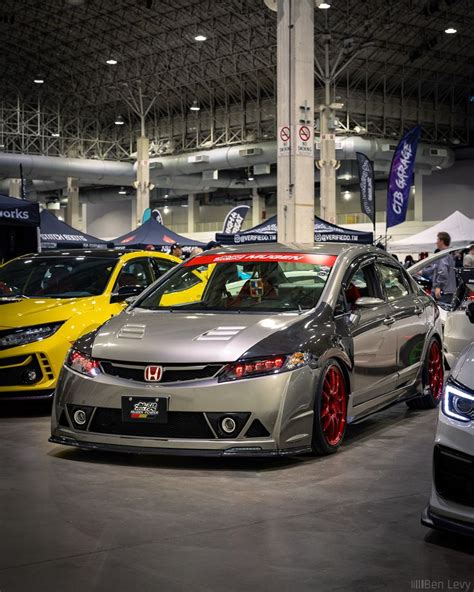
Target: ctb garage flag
{"points": [[367, 186], [401, 174]]}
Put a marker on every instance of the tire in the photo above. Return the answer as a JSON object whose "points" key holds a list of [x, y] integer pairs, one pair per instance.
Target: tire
{"points": [[330, 410], [432, 378]]}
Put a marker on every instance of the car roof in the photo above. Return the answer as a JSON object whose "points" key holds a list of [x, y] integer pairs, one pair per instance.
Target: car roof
{"points": [[112, 254], [319, 248]]}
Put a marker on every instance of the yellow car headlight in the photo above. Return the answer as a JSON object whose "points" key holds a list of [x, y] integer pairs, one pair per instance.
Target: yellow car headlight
{"points": [[23, 335]]}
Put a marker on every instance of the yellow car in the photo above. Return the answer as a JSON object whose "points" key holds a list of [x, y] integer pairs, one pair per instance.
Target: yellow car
{"points": [[48, 300]]}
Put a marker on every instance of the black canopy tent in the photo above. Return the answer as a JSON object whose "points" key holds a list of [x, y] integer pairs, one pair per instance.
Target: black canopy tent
{"points": [[19, 222], [153, 234], [323, 232], [56, 234]]}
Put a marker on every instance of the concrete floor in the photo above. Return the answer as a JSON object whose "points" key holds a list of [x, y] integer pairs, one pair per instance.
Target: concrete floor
{"points": [[73, 521]]}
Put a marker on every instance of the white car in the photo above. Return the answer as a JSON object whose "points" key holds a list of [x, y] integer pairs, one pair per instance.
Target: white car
{"points": [[458, 331], [451, 505]]}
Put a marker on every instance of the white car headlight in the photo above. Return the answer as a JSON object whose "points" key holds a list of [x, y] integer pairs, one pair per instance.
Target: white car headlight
{"points": [[24, 335], [458, 404]]}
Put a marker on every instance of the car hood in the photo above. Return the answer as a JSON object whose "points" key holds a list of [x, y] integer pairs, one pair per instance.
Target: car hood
{"points": [[463, 371], [37, 311], [171, 337]]}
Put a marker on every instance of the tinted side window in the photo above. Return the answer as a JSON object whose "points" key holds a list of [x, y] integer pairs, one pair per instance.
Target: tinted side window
{"points": [[161, 266], [134, 273], [363, 283], [393, 281]]}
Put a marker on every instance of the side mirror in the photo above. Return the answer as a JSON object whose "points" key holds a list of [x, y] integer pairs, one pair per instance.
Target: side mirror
{"points": [[368, 302], [470, 312], [125, 292]]}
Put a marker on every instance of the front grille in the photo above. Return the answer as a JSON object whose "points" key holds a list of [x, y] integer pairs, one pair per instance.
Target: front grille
{"points": [[180, 425], [13, 370], [454, 475], [171, 373]]}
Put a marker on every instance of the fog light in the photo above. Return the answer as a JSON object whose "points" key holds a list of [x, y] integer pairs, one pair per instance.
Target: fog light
{"points": [[30, 376], [228, 425], [80, 417]]}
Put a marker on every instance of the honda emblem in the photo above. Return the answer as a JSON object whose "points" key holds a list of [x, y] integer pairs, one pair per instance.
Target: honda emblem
{"points": [[153, 373]]}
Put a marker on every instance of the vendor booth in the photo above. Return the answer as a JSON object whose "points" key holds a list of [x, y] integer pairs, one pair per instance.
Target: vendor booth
{"points": [[323, 232], [457, 225], [56, 234], [153, 235], [19, 222]]}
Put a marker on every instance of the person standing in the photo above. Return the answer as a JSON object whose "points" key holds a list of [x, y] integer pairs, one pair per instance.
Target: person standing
{"points": [[469, 258], [443, 276]]}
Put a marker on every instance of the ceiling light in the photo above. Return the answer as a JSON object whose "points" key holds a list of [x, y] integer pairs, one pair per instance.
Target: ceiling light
{"points": [[195, 106], [200, 38], [166, 210], [323, 5], [111, 62], [38, 80], [450, 31], [184, 205], [122, 191], [55, 135], [119, 120], [250, 178], [166, 196], [347, 195]]}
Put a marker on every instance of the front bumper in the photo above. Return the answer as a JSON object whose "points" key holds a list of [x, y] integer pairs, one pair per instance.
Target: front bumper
{"points": [[280, 405], [43, 358], [451, 505], [431, 519]]}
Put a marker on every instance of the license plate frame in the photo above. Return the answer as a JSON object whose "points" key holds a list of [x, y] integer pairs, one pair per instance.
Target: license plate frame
{"points": [[136, 409]]}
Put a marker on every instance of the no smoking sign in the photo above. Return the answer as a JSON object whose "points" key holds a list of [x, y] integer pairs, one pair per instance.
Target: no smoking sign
{"points": [[304, 141]]}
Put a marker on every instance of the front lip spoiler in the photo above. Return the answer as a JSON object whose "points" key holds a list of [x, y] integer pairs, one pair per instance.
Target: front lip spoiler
{"points": [[12, 397], [234, 452], [433, 520]]}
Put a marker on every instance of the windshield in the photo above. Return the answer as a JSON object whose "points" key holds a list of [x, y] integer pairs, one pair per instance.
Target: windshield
{"points": [[55, 277], [274, 282]]}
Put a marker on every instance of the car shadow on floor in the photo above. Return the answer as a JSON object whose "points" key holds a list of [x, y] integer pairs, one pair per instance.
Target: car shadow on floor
{"points": [[374, 426], [447, 540], [19, 409]]}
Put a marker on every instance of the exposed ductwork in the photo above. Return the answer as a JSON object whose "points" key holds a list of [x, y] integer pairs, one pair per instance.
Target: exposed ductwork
{"points": [[190, 172]]}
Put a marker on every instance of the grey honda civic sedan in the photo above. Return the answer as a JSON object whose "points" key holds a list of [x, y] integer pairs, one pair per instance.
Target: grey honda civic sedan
{"points": [[255, 350]]}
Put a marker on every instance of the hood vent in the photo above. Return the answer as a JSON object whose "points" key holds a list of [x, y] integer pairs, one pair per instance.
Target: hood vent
{"points": [[131, 331], [220, 334]]}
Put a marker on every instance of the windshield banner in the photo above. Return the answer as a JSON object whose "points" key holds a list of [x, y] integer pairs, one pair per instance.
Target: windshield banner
{"points": [[327, 260], [234, 219], [400, 178]]}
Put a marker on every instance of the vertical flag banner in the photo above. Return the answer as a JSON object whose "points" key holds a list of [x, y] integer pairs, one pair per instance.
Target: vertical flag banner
{"points": [[367, 186], [234, 219], [401, 173]]}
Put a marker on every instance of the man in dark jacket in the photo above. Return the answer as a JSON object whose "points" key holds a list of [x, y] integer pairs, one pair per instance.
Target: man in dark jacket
{"points": [[443, 276]]}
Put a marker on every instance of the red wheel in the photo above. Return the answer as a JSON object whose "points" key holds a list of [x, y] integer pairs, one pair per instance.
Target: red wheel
{"points": [[435, 370], [330, 415], [432, 378]]}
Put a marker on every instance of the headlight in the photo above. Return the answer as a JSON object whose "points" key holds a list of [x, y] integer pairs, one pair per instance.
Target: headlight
{"points": [[83, 364], [262, 366], [24, 335], [458, 404]]}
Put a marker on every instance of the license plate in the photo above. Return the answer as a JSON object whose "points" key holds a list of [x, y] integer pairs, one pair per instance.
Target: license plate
{"points": [[145, 409]]}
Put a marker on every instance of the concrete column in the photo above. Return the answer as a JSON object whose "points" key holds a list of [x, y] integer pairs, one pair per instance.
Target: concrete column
{"points": [[193, 212], [258, 205], [84, 217], [418, 213], [14, 188], [142, 183], [295, 117], [133, 218], [73, 211]]}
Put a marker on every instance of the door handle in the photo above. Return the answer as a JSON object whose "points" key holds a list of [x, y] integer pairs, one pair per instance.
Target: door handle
{"points": [[388, 321]]}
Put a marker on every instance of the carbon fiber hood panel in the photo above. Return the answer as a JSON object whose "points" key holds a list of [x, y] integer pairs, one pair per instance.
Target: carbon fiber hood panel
{"points": [[167, 337]]}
